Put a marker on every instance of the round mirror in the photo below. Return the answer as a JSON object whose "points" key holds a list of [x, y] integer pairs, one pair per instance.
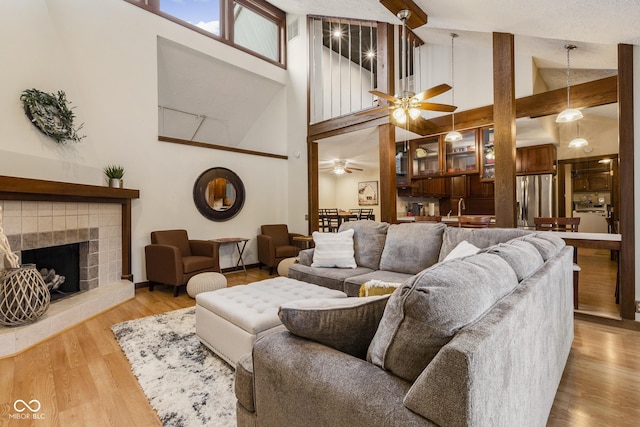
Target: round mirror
{"points": [[218, 194]]}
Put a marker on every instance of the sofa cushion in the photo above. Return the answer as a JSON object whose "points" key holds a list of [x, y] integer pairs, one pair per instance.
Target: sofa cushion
{"points": [[546, 243], [368, 241], [195, 263], [480, 237], [332, 278], [463, 249], [410, 248], [332, 323], [522, 256], [334, 250], [427, 310]]}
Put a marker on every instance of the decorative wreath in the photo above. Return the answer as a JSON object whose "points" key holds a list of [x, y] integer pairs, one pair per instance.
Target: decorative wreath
{"points": [[51, 114]]}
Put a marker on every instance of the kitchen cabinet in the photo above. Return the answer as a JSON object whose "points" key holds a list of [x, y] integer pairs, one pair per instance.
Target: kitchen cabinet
{"points": [[537, 159], [487, 155], [592, 181], [402, 165], [461, 157], [433, 187], [459, 186], [426, 157], [479, 188]]}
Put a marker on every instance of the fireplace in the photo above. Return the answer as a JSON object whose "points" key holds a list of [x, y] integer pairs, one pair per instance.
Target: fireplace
{"points": [[59, 266], [39, 214]]}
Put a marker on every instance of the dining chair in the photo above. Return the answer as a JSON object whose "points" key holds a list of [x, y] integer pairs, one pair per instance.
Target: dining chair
{"points": [[333, 221], [365, 214], [428, 218], [556, 223], [323, 221], [474, 221], [563, 224]]}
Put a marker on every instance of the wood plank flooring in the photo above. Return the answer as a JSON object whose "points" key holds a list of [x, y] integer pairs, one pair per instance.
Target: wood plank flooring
{"points": [[597, 280], [82, 378]]}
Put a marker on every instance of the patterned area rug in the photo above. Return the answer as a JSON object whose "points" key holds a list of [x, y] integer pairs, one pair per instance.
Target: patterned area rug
{"points": [[184, 381]]}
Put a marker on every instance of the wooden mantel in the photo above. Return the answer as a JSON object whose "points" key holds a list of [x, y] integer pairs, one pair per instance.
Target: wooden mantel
{"points": [[12, 188]]}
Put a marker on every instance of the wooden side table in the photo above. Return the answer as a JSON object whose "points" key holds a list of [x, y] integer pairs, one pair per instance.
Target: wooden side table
{"points": [[240, 243], [307, 240]]}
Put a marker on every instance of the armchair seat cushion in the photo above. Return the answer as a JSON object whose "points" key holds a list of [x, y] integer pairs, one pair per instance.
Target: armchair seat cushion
{"points": [[286, 251], [195, 263]]}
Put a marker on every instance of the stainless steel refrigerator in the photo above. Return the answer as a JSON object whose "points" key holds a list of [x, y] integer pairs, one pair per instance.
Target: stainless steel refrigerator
{"points": [[535, 197]]}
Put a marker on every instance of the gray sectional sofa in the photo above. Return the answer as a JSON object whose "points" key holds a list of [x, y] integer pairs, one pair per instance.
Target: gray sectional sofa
{"points": [[480, 340], [393, 253]]}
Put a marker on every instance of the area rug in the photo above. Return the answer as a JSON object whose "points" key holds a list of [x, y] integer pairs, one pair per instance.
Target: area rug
{"points": [[184, 381]]}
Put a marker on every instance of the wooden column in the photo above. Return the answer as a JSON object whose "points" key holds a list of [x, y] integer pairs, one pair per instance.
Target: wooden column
{"points": [[387, 196], [312, 176], [504, 116], [626, 166]]}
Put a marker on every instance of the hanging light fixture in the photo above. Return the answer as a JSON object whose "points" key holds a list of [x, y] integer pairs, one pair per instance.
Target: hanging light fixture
{"points": [[454, 135], [578, 142], [570, 114]]}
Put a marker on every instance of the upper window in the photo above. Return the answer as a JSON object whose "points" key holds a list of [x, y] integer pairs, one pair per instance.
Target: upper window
{"points": [[251, 25], [203, 14]]}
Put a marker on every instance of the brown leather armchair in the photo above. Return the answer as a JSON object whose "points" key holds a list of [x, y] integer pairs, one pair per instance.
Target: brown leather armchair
{"points": [[275, 244], [172, 259]]}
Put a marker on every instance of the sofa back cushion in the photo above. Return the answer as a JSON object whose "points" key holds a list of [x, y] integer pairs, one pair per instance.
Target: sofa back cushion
{"points": [[547, 244], [480, 237], [368, 241], [427, 310], [522, 256], [410, 248]]}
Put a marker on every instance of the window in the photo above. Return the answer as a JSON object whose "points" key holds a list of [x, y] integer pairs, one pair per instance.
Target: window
{"points": [[251, 25], [203, 14], [255, 32]]}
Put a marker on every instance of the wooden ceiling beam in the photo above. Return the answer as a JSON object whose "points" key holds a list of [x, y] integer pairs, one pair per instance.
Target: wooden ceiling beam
{"points": [[418, 17], [590, 94]]}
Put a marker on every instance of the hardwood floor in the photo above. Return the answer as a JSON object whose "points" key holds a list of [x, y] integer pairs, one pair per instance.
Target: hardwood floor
{"points": [[597, 283], [82, 378]]}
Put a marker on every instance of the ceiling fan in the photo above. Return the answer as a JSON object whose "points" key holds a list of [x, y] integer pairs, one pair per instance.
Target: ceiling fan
{"points": [[340, 168], [407, 103]]}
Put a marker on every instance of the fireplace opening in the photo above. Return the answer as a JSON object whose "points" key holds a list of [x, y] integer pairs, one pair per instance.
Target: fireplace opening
{"points": [[60, 267]]}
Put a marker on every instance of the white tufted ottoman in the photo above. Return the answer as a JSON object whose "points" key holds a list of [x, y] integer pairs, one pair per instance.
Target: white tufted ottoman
{"points": [[229, 320]]}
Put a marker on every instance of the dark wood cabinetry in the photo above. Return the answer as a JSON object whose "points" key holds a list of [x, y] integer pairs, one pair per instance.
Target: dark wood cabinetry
{"points": [[459, 186], [591, 181], [536, 159], [478, 188]]}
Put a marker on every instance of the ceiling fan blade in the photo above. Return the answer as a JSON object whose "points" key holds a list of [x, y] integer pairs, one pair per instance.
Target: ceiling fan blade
{"points": [[430, 93], [383, 95], [437, 107], [347, 170], [375, 110], [355, 169]]}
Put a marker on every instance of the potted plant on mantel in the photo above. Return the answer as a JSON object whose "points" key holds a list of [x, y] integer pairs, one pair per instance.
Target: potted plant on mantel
{"points": [[115, 174]]}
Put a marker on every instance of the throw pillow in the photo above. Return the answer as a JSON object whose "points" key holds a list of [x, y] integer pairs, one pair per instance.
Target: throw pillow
{"points": [[345, 324], [378, 287], [334, 250], [430, 308], [463, 249]]}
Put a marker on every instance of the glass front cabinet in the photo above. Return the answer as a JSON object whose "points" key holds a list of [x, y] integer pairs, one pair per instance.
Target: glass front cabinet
{"points": [[461, 157], [426, 157], [488, 167]]}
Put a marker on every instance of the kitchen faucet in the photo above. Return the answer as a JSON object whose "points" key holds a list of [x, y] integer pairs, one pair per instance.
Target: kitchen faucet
{"points": [[461, 203]]}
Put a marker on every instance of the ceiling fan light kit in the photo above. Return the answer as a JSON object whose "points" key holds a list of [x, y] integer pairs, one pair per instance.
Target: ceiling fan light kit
{"points": [[569, 114]]}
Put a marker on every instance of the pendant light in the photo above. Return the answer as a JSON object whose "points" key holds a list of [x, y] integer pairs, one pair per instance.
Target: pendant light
{"points": [[454, 135], [570, 114], [578, 142]]}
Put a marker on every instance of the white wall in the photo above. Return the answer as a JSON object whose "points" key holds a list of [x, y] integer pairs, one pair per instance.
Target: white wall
{"points": [[102, 53]]}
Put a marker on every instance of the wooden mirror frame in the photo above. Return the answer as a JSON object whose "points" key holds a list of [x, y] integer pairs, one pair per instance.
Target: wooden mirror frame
{"points": [[200, 194]]}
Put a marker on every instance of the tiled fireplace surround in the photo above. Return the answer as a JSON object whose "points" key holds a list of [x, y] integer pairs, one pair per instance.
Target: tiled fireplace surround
{"points": [[98, 227]]}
